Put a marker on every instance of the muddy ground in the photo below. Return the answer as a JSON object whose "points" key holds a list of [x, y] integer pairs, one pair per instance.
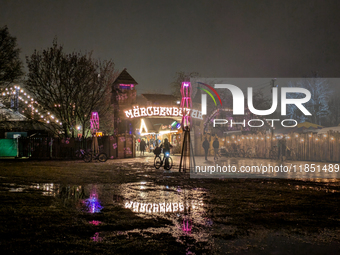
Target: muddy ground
{"points": [[72, 207]]}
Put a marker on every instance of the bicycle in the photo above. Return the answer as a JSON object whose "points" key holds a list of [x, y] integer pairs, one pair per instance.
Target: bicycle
{"points": [[102, 157], [158, 161], [86, 156], [237, 152], [223, 151]]}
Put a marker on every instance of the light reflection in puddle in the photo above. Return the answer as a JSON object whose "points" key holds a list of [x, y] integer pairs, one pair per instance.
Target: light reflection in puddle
{"points": [[48, 189], [96, 237], [92, 203], [95, 222], [185, 207]]}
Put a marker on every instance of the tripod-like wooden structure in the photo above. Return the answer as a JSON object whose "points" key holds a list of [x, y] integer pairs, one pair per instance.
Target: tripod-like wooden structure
{"points": [[187, 162], [187, 148]]}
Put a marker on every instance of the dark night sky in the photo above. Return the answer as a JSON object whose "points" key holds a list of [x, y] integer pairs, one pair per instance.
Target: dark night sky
{"points": [[155, 39]]}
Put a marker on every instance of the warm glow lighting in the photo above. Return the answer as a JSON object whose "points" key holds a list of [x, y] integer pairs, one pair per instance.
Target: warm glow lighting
{"points": [[142, 125], [168, 132], [173, 111]]}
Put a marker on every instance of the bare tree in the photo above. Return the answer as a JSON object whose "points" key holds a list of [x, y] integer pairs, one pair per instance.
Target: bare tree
{"points": [[334, 111], [318, 104], [10, 63], [69, 85], [179, 78]]}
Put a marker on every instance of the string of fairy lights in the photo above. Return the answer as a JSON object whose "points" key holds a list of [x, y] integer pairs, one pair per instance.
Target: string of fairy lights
{"points": [[236, 139], [33, 107]]}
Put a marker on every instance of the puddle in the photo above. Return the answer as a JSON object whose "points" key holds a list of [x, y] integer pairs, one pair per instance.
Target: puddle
{"points": [[183, 213], [46, 189]]}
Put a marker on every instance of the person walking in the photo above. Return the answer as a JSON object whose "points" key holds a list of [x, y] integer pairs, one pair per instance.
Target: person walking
{"points": [[142, 147], [282, 148], [205, 146], [216, 146]]}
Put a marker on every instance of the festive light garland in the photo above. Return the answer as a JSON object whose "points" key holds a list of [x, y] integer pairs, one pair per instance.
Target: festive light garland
{"points": [[237, 139], [29, 101]]}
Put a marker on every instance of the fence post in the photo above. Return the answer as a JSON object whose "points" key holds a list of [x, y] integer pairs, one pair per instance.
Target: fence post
{"points": [[51, 144]]}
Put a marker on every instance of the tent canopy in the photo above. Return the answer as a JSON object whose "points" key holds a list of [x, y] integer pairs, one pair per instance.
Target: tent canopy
{"points": [[308, 125], [326, 130]]}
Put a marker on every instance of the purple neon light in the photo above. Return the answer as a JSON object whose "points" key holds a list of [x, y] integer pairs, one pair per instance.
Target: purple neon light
{"points": [[93, 205], [187, 226]]}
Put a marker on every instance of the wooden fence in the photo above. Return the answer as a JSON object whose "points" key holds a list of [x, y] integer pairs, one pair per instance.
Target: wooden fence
{"points": [[121, 146], [306, 146]]}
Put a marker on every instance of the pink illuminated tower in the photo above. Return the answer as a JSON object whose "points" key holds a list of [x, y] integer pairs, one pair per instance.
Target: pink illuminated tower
{"points": [[94, 122], [186, 103]]}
